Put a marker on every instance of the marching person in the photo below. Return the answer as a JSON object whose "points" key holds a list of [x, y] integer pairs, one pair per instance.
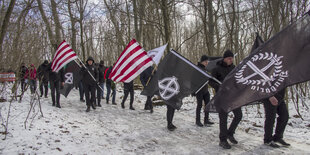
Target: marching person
{"points": [[275, 105], [222, 69], [31, 77], [90, 84], [56, 82], [43, 78], [170, 115], [22, 72], [144, 78], [203, 96], [80, 85], [101, 69], [110, 85], [128, 88]]}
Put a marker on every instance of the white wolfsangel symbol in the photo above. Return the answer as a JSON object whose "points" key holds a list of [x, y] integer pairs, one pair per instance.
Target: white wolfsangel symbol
{"points": [[69, 78], [277, 76], [168, 87]]}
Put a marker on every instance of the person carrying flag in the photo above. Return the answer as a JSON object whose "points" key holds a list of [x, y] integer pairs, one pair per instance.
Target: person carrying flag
{"points": [[128, 88], [144, 78], [56, 81], [222, 69]]}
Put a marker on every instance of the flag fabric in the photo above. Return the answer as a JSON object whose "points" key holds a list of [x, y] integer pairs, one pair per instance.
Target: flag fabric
{"points": [[175, 79], [64, 54], [132, 61], [280, 62], [71, 77], [258, 42], [157, 53]]}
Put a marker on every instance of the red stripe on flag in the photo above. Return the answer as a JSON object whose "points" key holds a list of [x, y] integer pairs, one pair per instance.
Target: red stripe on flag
{"points": [[59, 50], [58, 53], [129, 65], [134, 71], [116, 68], [64, 61], [63, 55]]}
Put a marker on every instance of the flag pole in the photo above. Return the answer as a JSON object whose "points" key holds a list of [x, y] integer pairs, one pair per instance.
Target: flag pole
{"points": [[90, 73], [148, 81]]}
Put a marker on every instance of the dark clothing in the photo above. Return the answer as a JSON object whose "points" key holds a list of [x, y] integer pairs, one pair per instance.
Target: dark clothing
{"points": [[270, 114], [170, 114], [81, 90], [101, 70], [107, 73], [144, 77], [109, 88], [89, 84], [220, 72], [43, 72], [128, 88], [55, 80], [44, 86], [22, 72]]}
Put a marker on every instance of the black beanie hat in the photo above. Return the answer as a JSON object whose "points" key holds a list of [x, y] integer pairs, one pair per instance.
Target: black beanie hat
{"points": [[228, 53], [101, 62], [90, 58], [203, 58], [45, 62]]}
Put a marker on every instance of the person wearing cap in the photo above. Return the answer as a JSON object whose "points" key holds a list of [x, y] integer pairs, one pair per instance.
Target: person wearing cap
{"points": [[89, 79], [203, 95], [222, 69], [31, 76], [101, 69], [43, 78]]}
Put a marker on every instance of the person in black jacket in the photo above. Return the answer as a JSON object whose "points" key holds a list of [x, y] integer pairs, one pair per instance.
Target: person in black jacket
{"points": [[22, 72], [222, 69], [90, 83], [203, 95], [56, 81], [110, 85], [101, 69], [128, 88], [43, 73], [144, 78], [275, 105]]}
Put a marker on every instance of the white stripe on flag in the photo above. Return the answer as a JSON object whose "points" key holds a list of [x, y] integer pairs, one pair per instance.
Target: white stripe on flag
{"points": [[69, 60], [57, 52], [139, 71], [63, 58], [125, 54]]}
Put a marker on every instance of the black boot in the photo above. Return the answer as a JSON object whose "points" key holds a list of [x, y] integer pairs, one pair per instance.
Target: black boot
{"points": [[53, 104], [93, 106], [198, 123], [131, 108], [58, 105], [123, 106], [88, 109], [232, 139], [99, 105], [225, 145], [207, 122], [171, 127]]}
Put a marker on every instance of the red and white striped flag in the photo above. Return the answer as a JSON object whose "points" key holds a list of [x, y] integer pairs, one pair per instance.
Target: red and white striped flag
{"points": [[133, 61], [64, 54]]}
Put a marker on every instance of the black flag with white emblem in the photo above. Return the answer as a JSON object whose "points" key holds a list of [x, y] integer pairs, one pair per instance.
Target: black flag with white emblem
{"points": [[175, 79], [280, 62], [72, 77]]}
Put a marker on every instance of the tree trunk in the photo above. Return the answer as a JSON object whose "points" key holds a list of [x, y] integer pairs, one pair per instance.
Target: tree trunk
{"points": [[5, 22]]}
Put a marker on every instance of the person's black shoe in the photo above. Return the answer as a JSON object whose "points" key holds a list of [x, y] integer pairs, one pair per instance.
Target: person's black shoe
{"points": [[53, 104], [107, 102], [151, 111], [198, 123], [131, 108], [114, 103], [41, 95], [93, 106], [225, 145], [272, 144], [232, 139], [282, 142], [208, 123], [58, 106], [88, 109], [171, 127], [123, 106], [45, 96], [102, 97], [99, 105], [82, 100]]}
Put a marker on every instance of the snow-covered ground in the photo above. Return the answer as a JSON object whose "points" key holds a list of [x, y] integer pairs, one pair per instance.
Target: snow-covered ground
{"points": [[112, 130]]}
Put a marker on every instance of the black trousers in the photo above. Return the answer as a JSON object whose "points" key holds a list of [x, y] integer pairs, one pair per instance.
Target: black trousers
{"points": [[126, 92], [148, 103], [81, 91], [90, 94], [99, 94], [23, 84], [55, 86], [270, 114], [45, 85], [170, 114], [200, 98], [223, 123]]}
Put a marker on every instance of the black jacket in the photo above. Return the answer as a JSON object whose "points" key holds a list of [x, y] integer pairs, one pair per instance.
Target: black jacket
{"points": [[203, 90], [220, 72], [280, 97], [22, 72], [86, 78], [107, 73], [53, 76], [101, 70], [43, 72], [145, 75]]}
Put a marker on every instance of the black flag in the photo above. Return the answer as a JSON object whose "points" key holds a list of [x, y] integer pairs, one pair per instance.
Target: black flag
{"points": [[175, 79], [280, 62], [72, 77], [258, 42]]}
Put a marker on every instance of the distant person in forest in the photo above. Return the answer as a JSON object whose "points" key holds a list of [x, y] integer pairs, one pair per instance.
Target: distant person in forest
{"points": [[22, 72], [31, 78], [90, 78], [43, 75], [110, 85], [100, 91]]}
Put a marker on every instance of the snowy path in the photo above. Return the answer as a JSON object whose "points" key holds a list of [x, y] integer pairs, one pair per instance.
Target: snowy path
{"points": [[113, 130]]}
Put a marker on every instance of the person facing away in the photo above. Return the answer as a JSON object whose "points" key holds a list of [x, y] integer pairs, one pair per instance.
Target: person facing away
{"points": [[222, 69], [110, 85], [56, 80], [100, 87], [145, 77], [128, 89], [203, 96], [43, 74], [31, 77], [89, 79], [22, 72]]}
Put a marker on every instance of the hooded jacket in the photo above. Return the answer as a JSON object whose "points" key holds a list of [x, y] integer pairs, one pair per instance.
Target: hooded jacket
{"points": [[86, 78], [220, 72]]}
